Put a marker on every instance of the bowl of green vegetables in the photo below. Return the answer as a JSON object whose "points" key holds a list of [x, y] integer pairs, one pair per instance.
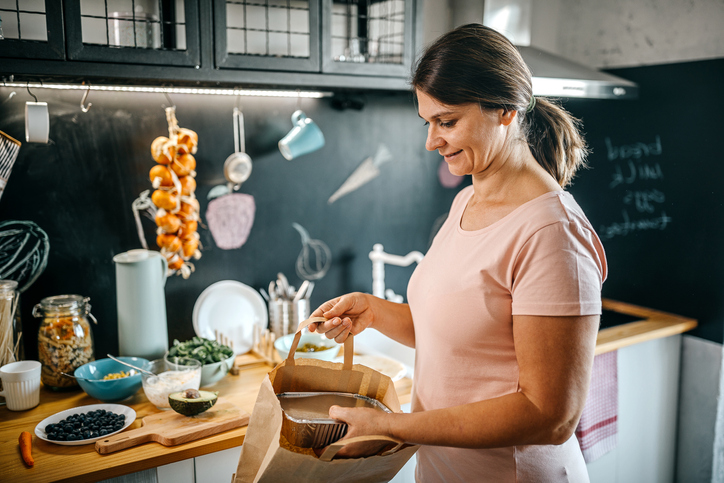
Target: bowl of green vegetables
{"points": [[216, 358]]}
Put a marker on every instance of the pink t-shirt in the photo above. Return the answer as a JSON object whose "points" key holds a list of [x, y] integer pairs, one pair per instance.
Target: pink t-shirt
{"points": [[542, 259]]}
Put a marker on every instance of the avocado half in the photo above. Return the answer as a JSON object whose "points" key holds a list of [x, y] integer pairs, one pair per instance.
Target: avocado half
{"points": [[192, 402]]}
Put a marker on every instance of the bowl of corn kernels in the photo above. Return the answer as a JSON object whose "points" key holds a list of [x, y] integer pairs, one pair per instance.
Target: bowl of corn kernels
{"points": [[110, 381]]}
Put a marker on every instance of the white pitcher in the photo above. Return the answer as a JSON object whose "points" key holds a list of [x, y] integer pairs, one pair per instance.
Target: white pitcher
{"points": [[141, 302]]}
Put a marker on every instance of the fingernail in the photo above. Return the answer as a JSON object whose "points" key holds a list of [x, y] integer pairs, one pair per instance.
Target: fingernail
{"points": [[337, 321]]}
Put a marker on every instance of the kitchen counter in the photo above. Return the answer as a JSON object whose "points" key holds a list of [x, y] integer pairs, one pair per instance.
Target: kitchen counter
{"points": [[82, 463], [647, 324]]}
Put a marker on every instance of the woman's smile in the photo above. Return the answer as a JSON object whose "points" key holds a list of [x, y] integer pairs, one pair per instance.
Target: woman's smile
{"points": [[449, 157]]}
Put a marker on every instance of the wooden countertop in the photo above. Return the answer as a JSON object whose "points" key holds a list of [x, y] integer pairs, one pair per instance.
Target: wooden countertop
{"points": [[82, 464], [654, 324]]}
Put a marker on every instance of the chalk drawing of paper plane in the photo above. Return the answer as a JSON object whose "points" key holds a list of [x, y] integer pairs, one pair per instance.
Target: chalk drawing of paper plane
{"points": [[368, 170]]}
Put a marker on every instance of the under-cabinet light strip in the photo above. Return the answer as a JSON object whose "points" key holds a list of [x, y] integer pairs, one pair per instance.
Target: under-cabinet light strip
{"points": [[174, 90]]}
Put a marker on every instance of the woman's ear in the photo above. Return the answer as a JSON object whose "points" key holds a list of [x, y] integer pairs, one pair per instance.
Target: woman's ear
{"points": [[506, 117]]}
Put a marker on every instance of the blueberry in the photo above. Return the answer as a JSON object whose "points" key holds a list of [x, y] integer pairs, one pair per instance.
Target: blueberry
{"points": [[68, 428], [103, 432]]}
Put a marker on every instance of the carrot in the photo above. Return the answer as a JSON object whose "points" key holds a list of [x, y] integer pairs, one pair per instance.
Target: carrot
{"points": [[25, 447]]}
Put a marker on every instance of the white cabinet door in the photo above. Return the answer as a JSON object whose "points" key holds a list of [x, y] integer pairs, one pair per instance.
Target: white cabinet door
{"points": [[217, 467], [648, 394]]}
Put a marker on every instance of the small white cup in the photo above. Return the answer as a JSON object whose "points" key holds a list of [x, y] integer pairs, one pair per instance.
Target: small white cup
{"points": [[21, 384], [37, 122]]}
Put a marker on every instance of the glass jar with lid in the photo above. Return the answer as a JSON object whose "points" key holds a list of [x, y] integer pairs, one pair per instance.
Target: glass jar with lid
{"points": [[65, 338], [11, 347]]}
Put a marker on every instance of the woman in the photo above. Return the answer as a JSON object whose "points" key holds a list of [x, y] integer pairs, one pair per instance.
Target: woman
{"points": [[504, 309]]}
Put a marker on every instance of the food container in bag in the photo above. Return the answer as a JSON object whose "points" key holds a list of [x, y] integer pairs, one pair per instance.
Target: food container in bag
{"points": [[306, 422]]}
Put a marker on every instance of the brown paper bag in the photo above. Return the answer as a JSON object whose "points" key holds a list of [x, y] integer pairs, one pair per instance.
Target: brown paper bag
{"points": [[263, 459]]}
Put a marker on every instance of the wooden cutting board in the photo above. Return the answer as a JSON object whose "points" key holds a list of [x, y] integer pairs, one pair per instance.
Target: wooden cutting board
{"points": [[171, 428]]}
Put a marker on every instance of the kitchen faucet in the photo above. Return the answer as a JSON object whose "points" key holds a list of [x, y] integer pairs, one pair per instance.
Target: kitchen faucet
{"points": [[379, 259]]}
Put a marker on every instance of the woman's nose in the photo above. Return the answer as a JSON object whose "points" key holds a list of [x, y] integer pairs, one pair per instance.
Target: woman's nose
{"points": [[433, 140]]}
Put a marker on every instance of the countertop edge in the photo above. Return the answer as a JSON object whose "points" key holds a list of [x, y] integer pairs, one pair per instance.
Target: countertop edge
{"points": [[654, 324]]}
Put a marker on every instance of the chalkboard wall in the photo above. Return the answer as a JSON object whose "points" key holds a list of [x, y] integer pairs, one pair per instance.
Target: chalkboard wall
{"points": [[79, 189], [652, 192]]}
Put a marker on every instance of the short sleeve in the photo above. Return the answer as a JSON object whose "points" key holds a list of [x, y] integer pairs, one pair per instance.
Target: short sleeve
{"points": [[559, 271]]}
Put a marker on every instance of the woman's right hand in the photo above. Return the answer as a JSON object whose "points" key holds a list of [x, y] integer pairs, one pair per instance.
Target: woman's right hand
{"points": [[350, 313]]}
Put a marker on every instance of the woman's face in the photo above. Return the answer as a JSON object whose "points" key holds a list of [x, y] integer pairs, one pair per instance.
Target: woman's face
{"points": [[468, 137]]}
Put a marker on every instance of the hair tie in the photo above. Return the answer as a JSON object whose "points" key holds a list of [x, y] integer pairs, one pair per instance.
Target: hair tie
{"points": [[531, 104]]}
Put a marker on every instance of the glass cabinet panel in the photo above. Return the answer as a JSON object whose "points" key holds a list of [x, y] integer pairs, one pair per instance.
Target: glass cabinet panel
{"points": [[134, 23], [372, 37], [31, 29], [267, 34], [140, 31], [366, 31]]}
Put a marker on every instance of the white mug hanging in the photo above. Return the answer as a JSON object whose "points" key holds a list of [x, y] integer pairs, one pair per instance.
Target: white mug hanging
{"points": [[37, 122]]}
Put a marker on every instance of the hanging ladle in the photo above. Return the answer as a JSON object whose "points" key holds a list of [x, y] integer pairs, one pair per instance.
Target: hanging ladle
{"points": [[237, 167]]}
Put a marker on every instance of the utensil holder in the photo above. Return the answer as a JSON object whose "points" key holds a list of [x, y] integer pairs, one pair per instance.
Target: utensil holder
{"points": [[285, 315]]}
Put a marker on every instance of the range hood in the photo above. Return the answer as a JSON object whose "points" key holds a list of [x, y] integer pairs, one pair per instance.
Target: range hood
{"points": [[553, 75], [557, 77]]}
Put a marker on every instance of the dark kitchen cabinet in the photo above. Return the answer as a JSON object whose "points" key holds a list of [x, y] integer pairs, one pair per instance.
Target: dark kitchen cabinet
{"points": [[155, 32], [31, 29], [368, 37], [357, 44], [267, 34]]}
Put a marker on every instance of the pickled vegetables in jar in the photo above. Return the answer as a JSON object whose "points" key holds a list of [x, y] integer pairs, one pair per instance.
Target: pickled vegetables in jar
{"points": [[65, 338]]}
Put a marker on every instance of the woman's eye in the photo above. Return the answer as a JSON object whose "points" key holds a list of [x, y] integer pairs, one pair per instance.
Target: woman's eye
{"points": [[447, 123]]}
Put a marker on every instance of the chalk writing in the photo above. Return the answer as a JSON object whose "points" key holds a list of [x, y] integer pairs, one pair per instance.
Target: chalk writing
{"points": [[644, 201], [627, 226], [634, 172], [635, 151], [633, 164]]}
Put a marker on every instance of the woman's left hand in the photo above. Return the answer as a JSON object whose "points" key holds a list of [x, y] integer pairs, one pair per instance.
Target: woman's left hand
{"points": [[361, 422]]}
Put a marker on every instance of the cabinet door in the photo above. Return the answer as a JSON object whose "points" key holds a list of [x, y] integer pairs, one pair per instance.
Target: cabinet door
{"points": [[368, 37], [156, 32], [267, 34], [31, 29]]}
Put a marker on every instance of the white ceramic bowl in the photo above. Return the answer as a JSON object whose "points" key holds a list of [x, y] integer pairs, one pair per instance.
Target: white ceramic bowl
{"points": [[284, 343], [213, 373]]}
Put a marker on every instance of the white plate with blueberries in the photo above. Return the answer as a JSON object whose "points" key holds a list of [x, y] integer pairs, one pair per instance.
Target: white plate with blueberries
{"points": [[85, 424]]}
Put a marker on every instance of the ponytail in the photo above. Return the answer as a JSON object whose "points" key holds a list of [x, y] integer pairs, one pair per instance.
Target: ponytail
{"points": [[555, 139]]}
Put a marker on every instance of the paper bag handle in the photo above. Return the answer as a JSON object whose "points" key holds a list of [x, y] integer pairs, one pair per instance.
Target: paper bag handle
{"points": [[348, 344], [334, 448]]}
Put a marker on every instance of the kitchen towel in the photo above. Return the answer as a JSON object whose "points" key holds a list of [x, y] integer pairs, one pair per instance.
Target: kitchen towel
{"points": [[598, 428]]}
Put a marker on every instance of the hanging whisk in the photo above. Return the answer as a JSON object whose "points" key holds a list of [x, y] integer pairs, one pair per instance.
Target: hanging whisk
{"points": [[314, 259]]}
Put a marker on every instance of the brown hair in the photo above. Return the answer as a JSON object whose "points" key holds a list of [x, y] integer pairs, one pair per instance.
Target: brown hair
{"points": [[476, 64]]}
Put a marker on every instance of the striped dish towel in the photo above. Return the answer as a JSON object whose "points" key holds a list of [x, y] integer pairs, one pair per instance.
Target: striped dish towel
{"points": [[597, 430]]}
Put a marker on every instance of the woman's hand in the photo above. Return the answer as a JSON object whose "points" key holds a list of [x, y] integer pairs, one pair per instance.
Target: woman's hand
{"points": [[361, 422], [351, 313]]}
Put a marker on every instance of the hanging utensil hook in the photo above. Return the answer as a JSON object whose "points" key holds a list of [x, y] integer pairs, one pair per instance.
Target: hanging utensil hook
{"points": [[27, 86], [168, 98], [83, 107]]}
